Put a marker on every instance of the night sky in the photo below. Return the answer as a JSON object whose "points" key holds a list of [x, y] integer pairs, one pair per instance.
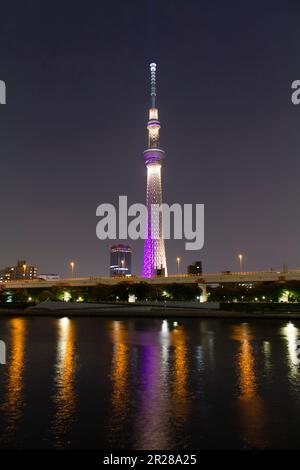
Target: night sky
{"points": [[74, 127]]}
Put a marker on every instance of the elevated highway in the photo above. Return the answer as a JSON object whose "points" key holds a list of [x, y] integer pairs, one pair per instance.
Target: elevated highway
{"points": [[216, 278]]}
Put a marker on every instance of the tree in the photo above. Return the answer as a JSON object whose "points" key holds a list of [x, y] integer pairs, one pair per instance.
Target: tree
{"points": [[143, 291], [102, 292], [78, 293], [122, 291], [184, 292], [20, 295], [3, 294], [45, 295]]}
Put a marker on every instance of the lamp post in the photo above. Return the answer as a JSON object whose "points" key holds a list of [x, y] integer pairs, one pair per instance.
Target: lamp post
{"points": [[178, 263], [240, 256], [72, 265], [24, 268]]}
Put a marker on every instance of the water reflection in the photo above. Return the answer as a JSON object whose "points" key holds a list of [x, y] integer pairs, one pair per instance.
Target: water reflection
{"points": [[292, 335], [153, 384], [267, 356], [14, 397], [165, 339], [252, 410], [208, 347], [149, 386], [64, 394], [119, 378], [150, 420], [153, 421], [180, 375]]}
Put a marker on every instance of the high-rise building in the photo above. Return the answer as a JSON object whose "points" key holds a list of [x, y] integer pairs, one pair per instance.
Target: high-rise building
{"points": [[154, 250], [195, 268], [21, 272], [120, 260]]}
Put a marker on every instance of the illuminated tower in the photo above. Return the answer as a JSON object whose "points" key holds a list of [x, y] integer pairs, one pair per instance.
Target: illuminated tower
{"points": [[154, 250]]}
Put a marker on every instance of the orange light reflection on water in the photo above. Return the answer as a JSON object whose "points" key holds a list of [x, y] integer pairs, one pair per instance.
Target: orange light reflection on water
{"points": [[64, 394], [14, 398], [251, 406]]}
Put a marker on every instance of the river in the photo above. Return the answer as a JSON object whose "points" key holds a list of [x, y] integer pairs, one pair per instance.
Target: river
{"points": [[100, 383]]}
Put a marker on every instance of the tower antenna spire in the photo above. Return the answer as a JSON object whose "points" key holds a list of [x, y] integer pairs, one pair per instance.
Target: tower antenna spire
{"points": [[153, 84]]}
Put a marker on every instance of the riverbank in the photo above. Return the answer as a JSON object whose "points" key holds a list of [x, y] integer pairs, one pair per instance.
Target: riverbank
{"points": [[154, 310]]}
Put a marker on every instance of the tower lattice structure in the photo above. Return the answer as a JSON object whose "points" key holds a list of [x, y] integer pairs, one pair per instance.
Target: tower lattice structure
{"points": [[154, 249]]}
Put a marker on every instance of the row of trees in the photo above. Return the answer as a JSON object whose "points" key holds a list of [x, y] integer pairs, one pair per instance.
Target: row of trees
{"points": [[102, 292], [260, 292]]}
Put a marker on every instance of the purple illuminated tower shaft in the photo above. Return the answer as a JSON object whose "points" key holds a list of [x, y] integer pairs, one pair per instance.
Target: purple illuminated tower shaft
{"points": [[154, 250]]}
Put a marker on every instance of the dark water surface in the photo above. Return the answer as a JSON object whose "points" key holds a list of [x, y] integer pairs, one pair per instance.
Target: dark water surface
{"points": [[149, 384]]}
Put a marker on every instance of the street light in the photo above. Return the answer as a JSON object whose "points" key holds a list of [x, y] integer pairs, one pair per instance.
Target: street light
{"points": [[72, 264], [24, 267], [178, 263], [122, 264], [240, 256]]}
